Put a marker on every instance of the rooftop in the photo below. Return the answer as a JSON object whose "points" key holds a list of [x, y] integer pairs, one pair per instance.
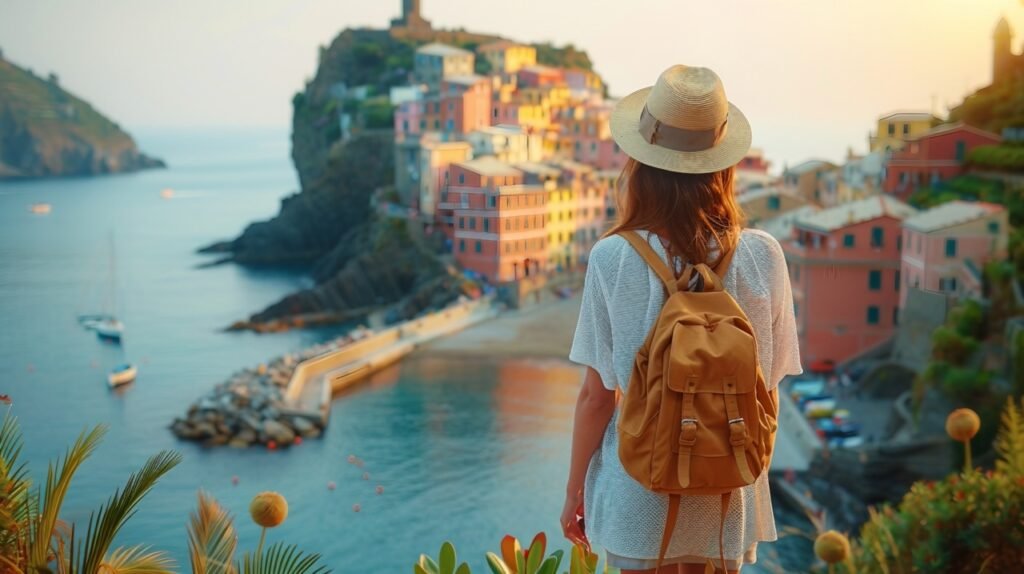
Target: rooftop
{"points": [[856, 212], [501, 129], [809, 166], [536, 168], [763, 192], [950, 214], [540, 69], [781, 226], [944, 128], [438, 49], [465, 79], [489, 165], [908, 116]]}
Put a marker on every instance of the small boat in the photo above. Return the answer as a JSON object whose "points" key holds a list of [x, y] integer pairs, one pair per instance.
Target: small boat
{"points": [[122, 375], [109, 329], [93, 321], [40, 208], [167, 193]]}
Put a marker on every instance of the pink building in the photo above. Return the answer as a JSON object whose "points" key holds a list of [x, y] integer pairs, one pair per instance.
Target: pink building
{"points": [[946, 247], [410, 120], [537, 76], [483, 173], [937, 155], [465, 103], [844, 265]]}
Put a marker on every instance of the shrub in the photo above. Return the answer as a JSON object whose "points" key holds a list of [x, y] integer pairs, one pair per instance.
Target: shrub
{"points": [[1001, 157], [966, 523], [950, 346]]}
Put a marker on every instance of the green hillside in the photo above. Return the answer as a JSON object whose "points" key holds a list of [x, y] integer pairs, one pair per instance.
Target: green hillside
{"points": [[47, 131]]}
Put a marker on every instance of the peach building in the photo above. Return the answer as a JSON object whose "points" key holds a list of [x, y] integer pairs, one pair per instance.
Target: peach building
{"points": [[507, 143], [805, 177], [481, 173], [465, 103], [844, 265], [499, 230], [768, 203], [946, 247], [535, 76], [435, 157]]}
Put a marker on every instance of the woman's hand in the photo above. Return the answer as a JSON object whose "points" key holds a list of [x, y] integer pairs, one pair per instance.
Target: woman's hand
{"points": [[570, 526]]}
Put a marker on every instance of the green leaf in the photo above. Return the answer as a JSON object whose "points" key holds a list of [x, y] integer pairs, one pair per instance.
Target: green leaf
{"points": [[281, 559], [496, 564], [137, 560], [111, 517], [550, 566], [536, 553], [427, 563], [463, 569], [417, 569], [446, 561]]}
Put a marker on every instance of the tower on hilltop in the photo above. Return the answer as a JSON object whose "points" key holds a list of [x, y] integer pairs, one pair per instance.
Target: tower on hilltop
{"points": [[411, 19], [1005, 64]]}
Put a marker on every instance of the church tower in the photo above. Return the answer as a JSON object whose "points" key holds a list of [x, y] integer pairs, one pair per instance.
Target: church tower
{"points": [[1002, 54], [411, 19]]}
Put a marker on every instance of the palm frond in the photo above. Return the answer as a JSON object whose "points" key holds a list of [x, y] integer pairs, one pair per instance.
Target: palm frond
{"points": [[58, 479], [1010, 440], [281, 559], [136, 560], [211, 538], [105, 523], [14, 479]]}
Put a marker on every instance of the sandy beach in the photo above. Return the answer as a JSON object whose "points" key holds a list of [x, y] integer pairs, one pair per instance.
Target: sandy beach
{"points": [[543, 330]]}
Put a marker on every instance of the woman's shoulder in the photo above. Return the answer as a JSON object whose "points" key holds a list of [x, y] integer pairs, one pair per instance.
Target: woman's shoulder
{"points": [[760, 245]]}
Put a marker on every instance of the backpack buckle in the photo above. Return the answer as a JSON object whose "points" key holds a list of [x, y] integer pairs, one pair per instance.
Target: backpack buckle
{"points": [[737, 432], [688, 436]]}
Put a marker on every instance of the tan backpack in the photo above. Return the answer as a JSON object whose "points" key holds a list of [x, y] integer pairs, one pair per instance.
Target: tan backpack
{"points": [[697, 417]]}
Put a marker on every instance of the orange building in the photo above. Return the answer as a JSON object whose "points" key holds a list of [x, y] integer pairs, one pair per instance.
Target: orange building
{"points": [[465, 103]]}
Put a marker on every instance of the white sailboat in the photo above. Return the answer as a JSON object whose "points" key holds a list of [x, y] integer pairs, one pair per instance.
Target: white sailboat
{"points": [[106, 325]]}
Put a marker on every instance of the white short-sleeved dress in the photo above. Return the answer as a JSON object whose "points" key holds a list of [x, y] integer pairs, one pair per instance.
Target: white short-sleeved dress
{"points": [[621, 300]]}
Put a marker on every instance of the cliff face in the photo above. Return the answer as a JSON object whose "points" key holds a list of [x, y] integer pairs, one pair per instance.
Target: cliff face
{"points": [[359, 262], [45, 131]]}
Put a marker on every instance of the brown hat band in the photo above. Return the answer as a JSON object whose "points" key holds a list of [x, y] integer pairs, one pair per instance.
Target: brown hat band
{"points": [[679, 139]]}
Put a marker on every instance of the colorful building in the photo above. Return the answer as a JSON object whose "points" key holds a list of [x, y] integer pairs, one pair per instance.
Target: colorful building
{"points": [[946, 247], [862, 174], [805, 178], [507, 143], [844, 267], [768, 203], [536, 76], [507, 57], [895, 129], [435, 159], [465, 103], [935, 156], [607, 182], [435, 62]]}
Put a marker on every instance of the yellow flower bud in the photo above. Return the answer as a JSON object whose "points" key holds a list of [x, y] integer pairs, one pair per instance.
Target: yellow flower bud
{"points": [[268, 509], [832, 547], [962, 424]]}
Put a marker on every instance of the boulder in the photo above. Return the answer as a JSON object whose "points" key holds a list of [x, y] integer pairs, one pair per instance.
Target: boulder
{"points": [[278, 432]]}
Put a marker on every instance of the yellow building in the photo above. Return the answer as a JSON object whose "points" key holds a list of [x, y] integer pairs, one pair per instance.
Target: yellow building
{"points": [[895, 129], [507, 57], [561, 226]]}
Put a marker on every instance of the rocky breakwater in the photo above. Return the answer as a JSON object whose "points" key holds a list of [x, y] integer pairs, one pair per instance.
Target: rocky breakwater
{"points": [[250, 408]]}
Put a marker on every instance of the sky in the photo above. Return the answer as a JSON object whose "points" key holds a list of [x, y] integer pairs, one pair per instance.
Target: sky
{"points": [[811, 75]]}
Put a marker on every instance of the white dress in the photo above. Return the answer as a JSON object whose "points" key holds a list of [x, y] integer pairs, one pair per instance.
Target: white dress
{"points": [[621, 300]]}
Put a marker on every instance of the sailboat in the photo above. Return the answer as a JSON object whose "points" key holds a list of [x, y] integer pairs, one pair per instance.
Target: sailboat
{"points": [[106, 325]]}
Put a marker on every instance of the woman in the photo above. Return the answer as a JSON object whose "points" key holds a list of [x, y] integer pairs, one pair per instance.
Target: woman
{"points": [[684, 139]]}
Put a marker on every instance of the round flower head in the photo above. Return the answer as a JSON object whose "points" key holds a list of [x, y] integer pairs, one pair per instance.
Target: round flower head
{"points": [[268, 509], [962, 424], [832, 547]]}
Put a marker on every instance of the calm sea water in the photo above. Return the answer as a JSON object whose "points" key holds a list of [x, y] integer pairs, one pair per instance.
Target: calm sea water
{"points": [[467, 451]]}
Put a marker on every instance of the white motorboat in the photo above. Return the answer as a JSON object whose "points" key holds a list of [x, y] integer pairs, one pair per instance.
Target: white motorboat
{"points": [[110, 329], [122, 375]]}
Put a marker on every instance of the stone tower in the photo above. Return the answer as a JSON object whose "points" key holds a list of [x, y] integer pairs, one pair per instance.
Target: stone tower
{"points": [[1003, 59], [411, 19]]}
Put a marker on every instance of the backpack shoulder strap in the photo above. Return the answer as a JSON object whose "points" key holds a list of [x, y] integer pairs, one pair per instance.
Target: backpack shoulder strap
{"points": [[723, 264], [652, 259]]}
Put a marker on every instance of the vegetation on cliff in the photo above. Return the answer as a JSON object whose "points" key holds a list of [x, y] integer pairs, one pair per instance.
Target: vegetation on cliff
{"points": [[993, 107], [47, 131]]}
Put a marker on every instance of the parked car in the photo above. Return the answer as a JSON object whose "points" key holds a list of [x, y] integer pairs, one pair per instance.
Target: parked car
{"points": [[819, 408], [833, 429], [807, 387], [802, 401]]}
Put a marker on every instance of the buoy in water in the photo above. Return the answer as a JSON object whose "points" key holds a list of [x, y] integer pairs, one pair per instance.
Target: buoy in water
{"points": [[356, 507], [351, 459], [331, 485], [380, 489], [271, 445], [234, 480]]}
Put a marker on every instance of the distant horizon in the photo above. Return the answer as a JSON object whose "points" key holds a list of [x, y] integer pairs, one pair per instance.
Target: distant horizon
{"points": [[812, 78]]}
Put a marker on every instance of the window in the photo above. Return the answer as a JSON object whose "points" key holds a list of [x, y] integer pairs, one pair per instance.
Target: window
{"points": [[899, 243], [896, 281], [477, 247], [508, 225], [437, 124], [487, 224], [472, 223], [593, 147], [993, 227], [462, 246], [895, 316], [462, 178], [947, 284], [405, 126], [903, 177], [906, 129], [462, 223], [872, 315], [849, 240], [950, 247], [450, 125], [961, 150], [877, 236], [874, 280], [492, 201], [892, 129]]}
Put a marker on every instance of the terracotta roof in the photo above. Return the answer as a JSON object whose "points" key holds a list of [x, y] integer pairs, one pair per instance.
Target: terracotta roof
{"points": [[950, 214], [941, 129], [856, 212], [489, 165]]}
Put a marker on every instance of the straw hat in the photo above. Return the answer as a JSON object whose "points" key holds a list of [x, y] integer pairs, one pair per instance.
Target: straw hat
{"points": [[682, 123]]}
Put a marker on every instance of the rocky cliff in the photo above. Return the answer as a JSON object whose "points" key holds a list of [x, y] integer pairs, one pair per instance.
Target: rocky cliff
{"points": [[46, 131], [360, 262]]}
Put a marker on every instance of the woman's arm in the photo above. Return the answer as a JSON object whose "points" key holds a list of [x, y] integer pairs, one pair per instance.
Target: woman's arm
{"points": [[594, 408]]}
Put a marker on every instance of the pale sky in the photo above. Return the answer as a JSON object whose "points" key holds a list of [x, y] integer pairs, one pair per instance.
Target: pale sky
{"points": [[812, 75]]}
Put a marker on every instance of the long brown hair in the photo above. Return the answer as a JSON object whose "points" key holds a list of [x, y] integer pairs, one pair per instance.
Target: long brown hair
{"points": [[692, 212]]}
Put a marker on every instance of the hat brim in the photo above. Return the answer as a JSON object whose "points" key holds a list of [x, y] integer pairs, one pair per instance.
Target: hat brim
{"points": [[625, 121]]}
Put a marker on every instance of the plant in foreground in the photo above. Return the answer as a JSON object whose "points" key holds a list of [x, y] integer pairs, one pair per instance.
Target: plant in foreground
{"points": [[513, 560], [962, 425]]}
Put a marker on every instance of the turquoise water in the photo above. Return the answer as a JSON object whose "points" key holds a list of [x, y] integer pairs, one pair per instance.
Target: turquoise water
{"points": [[467, 451]]}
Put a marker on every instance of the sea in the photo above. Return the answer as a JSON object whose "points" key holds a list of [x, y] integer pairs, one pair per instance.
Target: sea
{"points": [[446, 449]]}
